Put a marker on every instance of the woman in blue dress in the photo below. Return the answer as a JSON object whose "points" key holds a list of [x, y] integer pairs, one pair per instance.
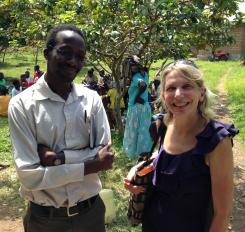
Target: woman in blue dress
{"points": [[137, 138], [193, 176]]}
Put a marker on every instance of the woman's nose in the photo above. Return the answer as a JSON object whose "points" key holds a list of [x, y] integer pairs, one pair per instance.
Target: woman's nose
{"points": [[178, 92]]}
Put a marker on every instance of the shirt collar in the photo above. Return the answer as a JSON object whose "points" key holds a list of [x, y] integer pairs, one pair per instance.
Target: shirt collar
{"points": [[42, 91]]}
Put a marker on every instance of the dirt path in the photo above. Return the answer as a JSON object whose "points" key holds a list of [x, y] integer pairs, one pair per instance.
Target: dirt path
{"points": [[9, 222], [238, 216]]}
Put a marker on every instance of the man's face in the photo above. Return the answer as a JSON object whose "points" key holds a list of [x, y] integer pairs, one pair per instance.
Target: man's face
{"points": [[66, 58]]}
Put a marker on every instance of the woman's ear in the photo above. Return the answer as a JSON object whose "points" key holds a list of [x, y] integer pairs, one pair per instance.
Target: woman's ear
{"points": [[203, 92]]}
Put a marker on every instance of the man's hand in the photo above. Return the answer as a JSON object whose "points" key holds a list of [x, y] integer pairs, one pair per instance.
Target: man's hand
{"points": [[46, 155], [105, 157]]}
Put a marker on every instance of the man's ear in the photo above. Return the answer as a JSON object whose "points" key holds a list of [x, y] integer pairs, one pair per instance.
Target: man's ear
{"points": [[45, 53]]}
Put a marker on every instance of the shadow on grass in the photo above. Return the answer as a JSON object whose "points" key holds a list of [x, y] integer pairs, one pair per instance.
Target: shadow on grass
{"points": [[10, 65], [12, 205], [113, 179], [239, 201]]}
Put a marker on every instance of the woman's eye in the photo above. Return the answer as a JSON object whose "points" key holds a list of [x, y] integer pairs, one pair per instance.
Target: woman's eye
{"points": [[170, 88], [187, 86]]}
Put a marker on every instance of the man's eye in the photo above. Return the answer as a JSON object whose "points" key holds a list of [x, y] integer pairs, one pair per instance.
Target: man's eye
{"points": [[66, 53], [81, 58]]}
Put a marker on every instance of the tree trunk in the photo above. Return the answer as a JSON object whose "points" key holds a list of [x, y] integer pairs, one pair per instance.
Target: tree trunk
{"points": [[36, 56], [116, 74], [4, 53], [119, 117], [161, 68]]}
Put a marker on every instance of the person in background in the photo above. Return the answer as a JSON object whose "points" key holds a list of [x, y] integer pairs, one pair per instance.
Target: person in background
{"points": [[4, 100], [23, 82], [101, 77], [61, 141], [102, 85], [29, 79], [193, 171], [2, 80], [137, 138], [91, 78], [17, 87], [112, 94], [37, 73], [155, 94]]}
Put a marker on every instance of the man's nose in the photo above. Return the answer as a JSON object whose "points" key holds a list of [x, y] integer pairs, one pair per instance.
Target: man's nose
{"points": [[74, 61]]}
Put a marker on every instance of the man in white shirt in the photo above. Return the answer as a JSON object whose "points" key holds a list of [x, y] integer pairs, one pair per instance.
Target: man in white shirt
{"points": [[61, 140]]}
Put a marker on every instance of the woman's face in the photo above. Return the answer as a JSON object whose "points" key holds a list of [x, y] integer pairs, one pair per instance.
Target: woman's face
{"points": [[181, 95]]}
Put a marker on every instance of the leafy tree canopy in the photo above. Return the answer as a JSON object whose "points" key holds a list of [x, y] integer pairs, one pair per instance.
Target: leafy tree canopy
{"points": [[151, 29]]}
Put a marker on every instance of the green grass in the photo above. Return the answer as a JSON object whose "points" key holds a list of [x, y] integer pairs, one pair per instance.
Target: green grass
{"points": [[5, 145], [212, 70], [10, 201], [235, 86], [113, 179], [18, 62]]}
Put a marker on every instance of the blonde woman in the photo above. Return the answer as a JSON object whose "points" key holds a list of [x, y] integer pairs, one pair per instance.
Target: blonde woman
{"points": [[193, 176]]}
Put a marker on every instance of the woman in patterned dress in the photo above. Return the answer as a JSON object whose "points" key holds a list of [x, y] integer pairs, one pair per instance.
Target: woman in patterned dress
{"points": [[136, 136]]}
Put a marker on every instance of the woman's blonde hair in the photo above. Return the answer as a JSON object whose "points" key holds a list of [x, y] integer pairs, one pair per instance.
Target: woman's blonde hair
{"points": [[193, 74]]}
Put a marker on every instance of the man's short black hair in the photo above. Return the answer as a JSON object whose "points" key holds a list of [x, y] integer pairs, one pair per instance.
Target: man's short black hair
{"points": [[16, 82], [36, 67], [51, 40], [1, 75]]}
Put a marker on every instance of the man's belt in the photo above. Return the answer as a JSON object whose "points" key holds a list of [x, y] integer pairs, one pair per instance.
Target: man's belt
{"points": [[50, 211]]}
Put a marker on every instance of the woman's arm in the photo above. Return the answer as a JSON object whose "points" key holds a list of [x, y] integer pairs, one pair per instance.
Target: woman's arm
{"points": [[221, 169]]}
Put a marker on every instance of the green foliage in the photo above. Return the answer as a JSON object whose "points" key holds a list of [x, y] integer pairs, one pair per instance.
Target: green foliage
{"points": [[152, 30]]}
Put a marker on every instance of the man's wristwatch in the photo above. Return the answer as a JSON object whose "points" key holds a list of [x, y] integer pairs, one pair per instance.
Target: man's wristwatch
{"points": [[57, 160]]}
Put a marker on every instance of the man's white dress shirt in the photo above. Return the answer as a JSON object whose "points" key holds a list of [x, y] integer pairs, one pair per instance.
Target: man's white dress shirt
{"points": [[76, 126]]}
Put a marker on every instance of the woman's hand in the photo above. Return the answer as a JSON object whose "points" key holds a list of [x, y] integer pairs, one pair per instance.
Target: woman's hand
{"points": [[135, 189]]}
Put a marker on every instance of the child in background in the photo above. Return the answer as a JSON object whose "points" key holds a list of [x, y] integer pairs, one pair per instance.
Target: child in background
{"points": [[37, 73], [2, 80], [23, 82], [29, 79], [4, 100], [17, 88]]}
